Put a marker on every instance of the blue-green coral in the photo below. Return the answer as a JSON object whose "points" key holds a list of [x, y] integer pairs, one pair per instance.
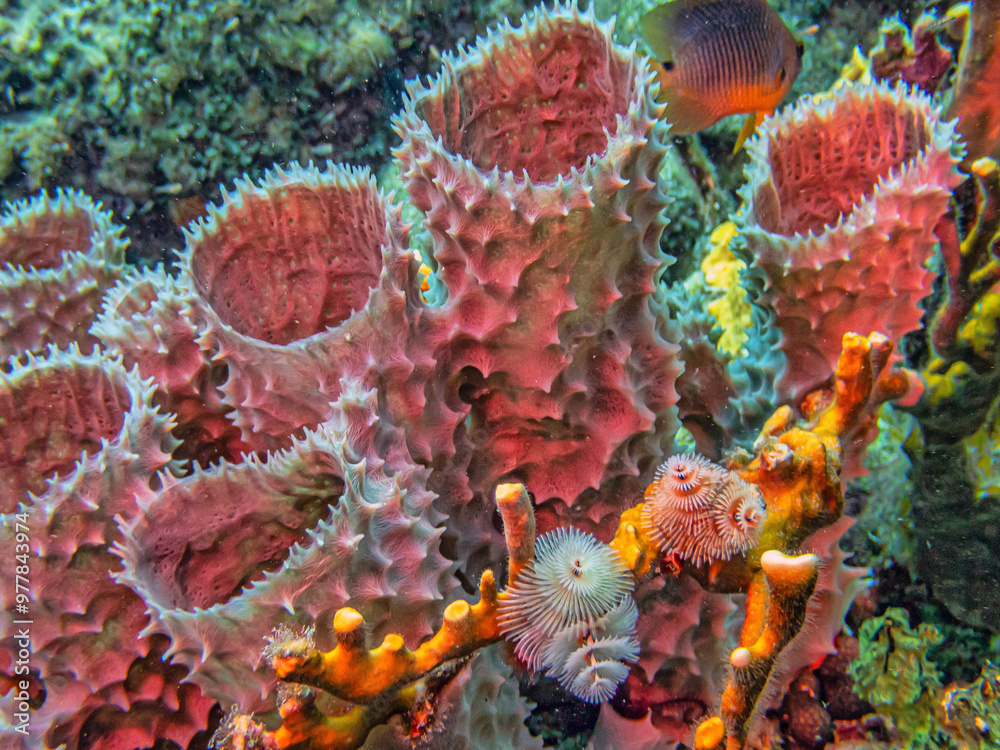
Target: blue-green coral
{"points": [[885, 521]]}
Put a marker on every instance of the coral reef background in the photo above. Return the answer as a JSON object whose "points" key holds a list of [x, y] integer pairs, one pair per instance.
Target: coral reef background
{"points": [[150, 107]]}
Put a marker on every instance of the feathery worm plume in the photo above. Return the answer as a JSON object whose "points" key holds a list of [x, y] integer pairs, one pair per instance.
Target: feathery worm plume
{"points": [[688, 481], [700, 512], [569, 612], [588, 660], [739, 515], [573, 580]]}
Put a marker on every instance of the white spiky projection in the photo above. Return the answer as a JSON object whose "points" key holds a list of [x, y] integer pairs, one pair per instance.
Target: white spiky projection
{"points": [[293, 283], [146, 318], [534, 155], [58, 254], [89, 439]]}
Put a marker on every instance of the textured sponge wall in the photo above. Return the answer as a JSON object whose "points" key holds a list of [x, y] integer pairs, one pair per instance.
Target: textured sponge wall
{"points": [[843, 194]]}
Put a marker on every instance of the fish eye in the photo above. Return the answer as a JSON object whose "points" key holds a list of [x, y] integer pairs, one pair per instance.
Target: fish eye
{"points": [[668, 65]]}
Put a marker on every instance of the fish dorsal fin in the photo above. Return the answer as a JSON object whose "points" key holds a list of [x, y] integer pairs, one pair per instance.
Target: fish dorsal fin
{"points": [[657, 29], [661, 31]]}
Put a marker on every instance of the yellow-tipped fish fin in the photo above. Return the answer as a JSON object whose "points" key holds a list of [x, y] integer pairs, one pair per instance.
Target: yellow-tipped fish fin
{"points": [[749, 126]]}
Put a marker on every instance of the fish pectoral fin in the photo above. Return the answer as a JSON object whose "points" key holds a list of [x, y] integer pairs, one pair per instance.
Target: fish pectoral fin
{"points": [[749, 126]]}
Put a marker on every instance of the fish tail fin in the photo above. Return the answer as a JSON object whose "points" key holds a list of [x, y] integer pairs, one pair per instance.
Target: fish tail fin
{"points": [[749, 126]]}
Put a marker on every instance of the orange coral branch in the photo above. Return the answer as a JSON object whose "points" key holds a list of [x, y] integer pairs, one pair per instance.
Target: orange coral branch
{"points": [[796, 465], [776, 610], [302, 726], [353, 673], [390, 678], [636, 548], [305, 727], [518, 526], [797, 469]]}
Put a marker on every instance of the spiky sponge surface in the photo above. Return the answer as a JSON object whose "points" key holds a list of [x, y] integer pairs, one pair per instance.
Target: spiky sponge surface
{"points": [[286, 541], [843, 192], [390, 418], [290, 282], [70, 419], [485, 708], [534, 156], [57, 256], [724, 397], [685, 633], [147, 319], [83, 437]]}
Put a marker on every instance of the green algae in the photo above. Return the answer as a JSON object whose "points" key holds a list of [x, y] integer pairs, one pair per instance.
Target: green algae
{"points": [[154, 99], [895, 675]]}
